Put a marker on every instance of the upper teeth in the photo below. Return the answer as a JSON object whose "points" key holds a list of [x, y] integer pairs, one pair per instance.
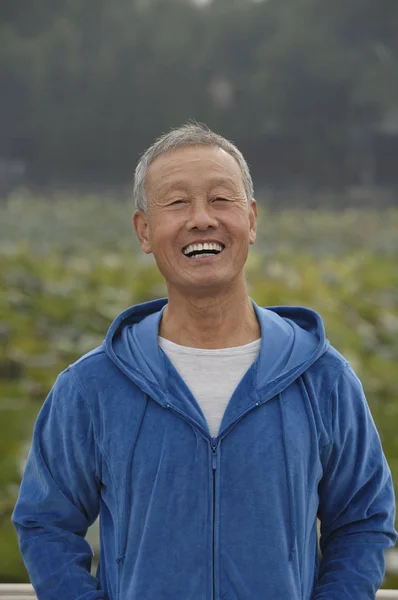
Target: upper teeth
{"points": [[205, 246]]}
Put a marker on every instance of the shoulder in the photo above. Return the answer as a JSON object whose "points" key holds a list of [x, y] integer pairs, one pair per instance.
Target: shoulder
{"points": [[333, 371], [93, 371], [326, 370], [330, 363], [323, 380]]}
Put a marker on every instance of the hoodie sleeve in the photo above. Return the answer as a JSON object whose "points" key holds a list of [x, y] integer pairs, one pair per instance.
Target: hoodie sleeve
{"points": [[59, 498], [356, 500]]}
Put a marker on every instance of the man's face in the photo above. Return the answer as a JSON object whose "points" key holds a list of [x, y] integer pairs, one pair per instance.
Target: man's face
{"points": [[196, 194]]}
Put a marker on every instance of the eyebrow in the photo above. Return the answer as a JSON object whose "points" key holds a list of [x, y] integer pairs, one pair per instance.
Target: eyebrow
{"points": [[214, 182]]}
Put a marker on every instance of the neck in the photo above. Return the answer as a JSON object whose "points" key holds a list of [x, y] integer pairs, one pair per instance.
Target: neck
{"points": [[224, 320]]}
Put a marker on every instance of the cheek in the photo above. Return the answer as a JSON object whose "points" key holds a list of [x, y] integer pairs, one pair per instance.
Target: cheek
{"points": [[164, 234], [239, 225]]}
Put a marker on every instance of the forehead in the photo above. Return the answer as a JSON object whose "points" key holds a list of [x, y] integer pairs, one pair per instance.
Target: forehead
{"points": [[193, 166]]}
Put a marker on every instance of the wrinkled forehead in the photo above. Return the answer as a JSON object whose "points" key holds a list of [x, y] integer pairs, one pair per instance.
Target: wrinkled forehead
{"points": [[193, 167]]}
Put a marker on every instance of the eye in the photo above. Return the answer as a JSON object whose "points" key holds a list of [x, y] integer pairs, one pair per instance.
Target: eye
{"points": [[220, 199], [177, 201]]}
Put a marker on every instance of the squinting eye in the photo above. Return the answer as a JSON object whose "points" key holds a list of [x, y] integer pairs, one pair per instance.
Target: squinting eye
{"points": [[177, 201], [221, 199]]}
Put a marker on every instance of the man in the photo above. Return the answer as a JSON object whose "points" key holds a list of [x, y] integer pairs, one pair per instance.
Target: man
{"points": [[208, 432]]}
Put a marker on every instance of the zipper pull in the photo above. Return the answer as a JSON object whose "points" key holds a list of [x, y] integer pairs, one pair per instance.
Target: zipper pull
{"points": [[214, 457]]}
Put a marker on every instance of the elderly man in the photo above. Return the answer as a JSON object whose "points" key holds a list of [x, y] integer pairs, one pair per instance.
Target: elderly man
{"points": [[207, 432]]}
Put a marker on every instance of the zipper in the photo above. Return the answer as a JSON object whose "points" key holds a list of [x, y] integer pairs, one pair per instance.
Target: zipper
{"points": [[214, 465], [214, 446], [119, 562]]}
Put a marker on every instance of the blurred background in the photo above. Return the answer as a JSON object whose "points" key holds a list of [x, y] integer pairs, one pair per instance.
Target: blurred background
{"points": [[307, 89]]}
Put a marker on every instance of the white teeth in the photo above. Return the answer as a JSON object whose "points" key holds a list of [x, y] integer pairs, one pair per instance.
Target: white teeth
{"points": [[204, 246]]}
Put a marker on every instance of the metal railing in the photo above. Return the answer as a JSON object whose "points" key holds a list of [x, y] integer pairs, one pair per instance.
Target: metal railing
{"points": [[11, 591]]}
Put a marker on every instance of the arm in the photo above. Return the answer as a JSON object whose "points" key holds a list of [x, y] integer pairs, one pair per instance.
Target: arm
{"points": [[59, 498], [356, 500]]}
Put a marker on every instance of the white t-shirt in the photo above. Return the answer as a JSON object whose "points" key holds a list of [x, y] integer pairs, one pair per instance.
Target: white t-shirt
{"points": [[211, 375]]}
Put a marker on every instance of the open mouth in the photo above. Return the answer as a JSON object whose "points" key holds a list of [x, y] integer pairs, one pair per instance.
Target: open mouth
{"points": [[202, 250]]}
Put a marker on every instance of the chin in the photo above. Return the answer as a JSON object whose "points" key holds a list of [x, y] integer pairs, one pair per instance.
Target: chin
{"points": [[211, 284]]}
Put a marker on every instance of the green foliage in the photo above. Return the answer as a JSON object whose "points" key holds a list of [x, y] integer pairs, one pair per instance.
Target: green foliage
{"points": [[68, 266]]}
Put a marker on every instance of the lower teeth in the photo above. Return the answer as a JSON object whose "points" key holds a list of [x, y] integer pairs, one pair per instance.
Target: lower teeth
{"points": [[203, 254]]}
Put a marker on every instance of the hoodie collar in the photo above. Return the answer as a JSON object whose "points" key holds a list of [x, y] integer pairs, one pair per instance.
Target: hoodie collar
{"points": [[292, 338]]}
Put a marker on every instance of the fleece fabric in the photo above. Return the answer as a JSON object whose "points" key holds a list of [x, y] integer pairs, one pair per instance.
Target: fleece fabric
{"points": [[188, 516]]}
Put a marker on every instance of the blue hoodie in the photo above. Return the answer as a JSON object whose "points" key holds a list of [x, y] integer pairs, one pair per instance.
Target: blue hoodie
{"points": [[185, 516]]}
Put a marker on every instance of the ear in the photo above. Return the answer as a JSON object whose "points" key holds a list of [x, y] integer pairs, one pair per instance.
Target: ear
{"points": [[253, 221], [141, 227]]}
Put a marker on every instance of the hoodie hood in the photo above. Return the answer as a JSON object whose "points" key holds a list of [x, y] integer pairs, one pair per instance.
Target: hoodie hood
{"points": [[292, 339]]}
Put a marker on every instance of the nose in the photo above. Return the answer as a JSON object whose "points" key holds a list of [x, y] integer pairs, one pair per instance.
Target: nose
{"points": [[201, 216]]}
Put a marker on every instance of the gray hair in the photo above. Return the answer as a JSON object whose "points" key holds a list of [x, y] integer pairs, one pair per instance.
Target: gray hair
{"points": [[190, 134]]}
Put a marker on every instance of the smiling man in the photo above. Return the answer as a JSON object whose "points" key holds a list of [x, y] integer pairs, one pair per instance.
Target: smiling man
{"points": [[198, 217], [208, 433]]}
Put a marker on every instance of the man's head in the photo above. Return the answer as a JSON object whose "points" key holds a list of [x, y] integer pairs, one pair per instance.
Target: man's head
{"points": [[194, 186], [187, 135]]}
